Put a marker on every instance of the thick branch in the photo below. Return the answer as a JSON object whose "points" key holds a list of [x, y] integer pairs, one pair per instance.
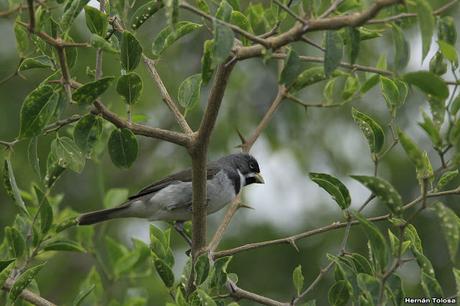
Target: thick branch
{"points": [[166, 96], [139, 129], [331, 23], [28, 295], [198, 152], [324, 229]]}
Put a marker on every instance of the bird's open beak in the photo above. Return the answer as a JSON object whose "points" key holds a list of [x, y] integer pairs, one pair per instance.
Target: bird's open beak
{"points": [[259, 178]]}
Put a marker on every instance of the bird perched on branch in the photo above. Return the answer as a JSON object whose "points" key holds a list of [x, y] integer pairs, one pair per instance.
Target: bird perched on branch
{"points": [[170, 199]]}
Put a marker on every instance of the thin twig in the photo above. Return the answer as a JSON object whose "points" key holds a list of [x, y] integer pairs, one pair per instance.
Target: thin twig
{"points": [[291, 12], [239, 293], [236, 29], [324, 229], [150, 64], [312, 43], [437, 12], [331, 9], [61, 123], [28, 295], [247, 145]]}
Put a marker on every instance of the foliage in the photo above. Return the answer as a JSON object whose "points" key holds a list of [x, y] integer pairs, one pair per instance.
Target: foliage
{"points": [[77, 126]]}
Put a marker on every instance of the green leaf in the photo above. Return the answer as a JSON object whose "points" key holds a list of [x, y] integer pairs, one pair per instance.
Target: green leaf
{"points": [[334, 187], [370, 83], [449, 52], [23, 281], [426, 23], [22, 40], [432, 130], [131, 51], [446, 178], [354, 43], [350, 88], [447, 30], [67, 223], [170, 35], [37, 110], [371, 130], [308, 77], [370, 286], [201, 269], [361, 263], [431, 286], [89, 92], [46, 212], [123, 148], [339, 293], [38, 62], [64, 245], [449, 226], [428, 82], [292, 68], [82, 295], [223, 43], [219, 277], [129, 86], [298, 279], [418, 157], [241, 21], [456, 275], [32, 156], [11, 187], [207, 66], [395, 243], [224, 11], [7, 267], [99, 42], [377, 242], [87, 132], [189, 92], [390, 92], [334, 52], [204, 298], [455, 105], [402, 48], [383, 190], [172, 11], [144, 12], [67, 154], [165, 272], [438, 65], [71, 12], [96, 21], [16, 241]]}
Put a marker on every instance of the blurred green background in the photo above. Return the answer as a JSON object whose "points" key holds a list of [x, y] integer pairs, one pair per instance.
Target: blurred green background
{"points": [[297, 142]]}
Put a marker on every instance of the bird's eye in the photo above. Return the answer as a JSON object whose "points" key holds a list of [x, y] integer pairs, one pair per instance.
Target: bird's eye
{"points": [[252, 166]]}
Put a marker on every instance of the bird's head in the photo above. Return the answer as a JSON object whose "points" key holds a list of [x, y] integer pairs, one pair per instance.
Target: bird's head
{"points": [[247, 165]]}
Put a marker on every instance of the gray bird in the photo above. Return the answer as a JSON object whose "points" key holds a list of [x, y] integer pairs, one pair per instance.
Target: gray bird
{"points": [[170, 199]]}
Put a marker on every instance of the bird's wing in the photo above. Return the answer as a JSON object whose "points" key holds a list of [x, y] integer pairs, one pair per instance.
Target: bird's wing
{"points": [[182, 176]]}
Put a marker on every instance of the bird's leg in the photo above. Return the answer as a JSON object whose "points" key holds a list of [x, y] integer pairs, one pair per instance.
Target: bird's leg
{"points": [[179, 227]]}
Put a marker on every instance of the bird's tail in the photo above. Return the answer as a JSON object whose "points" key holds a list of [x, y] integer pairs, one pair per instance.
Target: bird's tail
{"points": [[102, 215]]}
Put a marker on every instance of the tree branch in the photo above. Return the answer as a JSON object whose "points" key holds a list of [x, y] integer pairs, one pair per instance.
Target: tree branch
{"points": [[331, 23], [28, 295], [239, 293], [166, 96], [247, 145], [139, 129], [437, 12], [236, 29], [323, 229]]}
